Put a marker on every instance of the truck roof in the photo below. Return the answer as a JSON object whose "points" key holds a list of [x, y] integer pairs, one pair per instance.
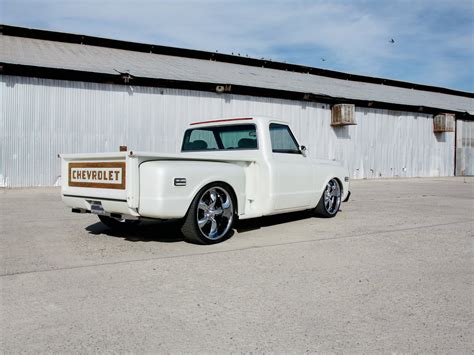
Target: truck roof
{"points": [[230, 120]]}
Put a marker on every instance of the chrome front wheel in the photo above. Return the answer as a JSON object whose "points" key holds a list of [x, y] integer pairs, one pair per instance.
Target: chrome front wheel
{"points": [[330, 201]]}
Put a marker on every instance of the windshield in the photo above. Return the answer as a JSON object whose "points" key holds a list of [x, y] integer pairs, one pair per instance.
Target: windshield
{"points": [[242, 136]]}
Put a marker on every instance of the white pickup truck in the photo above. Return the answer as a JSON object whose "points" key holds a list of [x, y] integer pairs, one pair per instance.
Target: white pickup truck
{"points": [[227, 169]]}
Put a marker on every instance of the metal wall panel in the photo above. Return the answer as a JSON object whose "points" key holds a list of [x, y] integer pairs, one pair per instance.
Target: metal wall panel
{"points": [[464, 147], [41, 118]]}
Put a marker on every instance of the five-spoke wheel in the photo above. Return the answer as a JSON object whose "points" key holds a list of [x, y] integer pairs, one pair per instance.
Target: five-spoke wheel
{"points": [[330, 201], [211, 215]]}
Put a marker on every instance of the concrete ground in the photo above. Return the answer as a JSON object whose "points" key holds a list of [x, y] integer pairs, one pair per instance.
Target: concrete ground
{"points": [[393, 272]]}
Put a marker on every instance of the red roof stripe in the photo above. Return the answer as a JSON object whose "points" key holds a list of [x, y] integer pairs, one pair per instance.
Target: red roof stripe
{"points": [[226, 120]]}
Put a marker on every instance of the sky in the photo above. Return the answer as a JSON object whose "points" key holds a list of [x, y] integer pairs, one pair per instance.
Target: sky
{"points": [[433, 40]]}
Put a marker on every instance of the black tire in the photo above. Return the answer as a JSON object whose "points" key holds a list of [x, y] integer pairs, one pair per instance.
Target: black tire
{"points": [[116, 224], [330, 200], [211, 215]]}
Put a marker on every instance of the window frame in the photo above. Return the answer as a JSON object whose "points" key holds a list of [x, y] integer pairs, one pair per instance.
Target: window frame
{"points": [[220, 145], [284, 151]]}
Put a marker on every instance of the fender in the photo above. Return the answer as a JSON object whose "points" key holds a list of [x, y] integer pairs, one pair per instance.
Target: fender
{"points": [[326, 172], [161, 197]]}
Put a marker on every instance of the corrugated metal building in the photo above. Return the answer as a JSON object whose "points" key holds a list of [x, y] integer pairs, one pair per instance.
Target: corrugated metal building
{"points": [[65, 93]]}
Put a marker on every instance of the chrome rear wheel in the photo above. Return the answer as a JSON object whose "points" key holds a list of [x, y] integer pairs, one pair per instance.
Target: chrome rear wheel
{"points": [[211, 215], [215, 213]]}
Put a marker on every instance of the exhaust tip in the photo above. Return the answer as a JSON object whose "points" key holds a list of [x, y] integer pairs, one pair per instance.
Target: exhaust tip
{"points": [[79, 210]]}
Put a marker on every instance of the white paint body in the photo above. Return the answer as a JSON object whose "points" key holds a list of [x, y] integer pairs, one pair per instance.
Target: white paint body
{"points": [[264, 182]]}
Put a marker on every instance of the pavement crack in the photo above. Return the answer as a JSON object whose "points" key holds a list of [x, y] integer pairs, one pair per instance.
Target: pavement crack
{"points": [[177, 256]]}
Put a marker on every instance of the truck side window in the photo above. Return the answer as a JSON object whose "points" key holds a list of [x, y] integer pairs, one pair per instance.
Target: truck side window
{"points": [[283, 140]]}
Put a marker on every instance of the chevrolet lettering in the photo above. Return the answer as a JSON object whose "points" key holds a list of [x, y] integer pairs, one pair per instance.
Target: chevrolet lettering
{"points": [[92, 174]]}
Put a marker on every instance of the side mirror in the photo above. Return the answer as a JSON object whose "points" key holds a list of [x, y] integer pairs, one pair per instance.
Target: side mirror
{"points": [[303, 150]]}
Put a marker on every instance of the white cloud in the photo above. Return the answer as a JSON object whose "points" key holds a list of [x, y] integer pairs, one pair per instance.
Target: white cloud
{"points": [[352, 36]]}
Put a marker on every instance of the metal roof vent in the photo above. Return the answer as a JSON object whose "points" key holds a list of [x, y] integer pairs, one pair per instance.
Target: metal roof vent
{"points": [[223, 88], [343, 115], [443, 122]]}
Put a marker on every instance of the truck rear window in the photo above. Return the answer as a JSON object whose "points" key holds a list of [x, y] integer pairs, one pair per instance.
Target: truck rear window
{"points": [[232, 137]]}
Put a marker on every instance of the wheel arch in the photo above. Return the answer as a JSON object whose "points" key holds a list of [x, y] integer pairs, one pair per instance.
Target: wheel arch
{"points": [[208, 184], [328, 178], [341, 185]]}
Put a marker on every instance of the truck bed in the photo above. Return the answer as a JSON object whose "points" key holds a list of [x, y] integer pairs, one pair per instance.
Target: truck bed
{"points": [[122, 195]]}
